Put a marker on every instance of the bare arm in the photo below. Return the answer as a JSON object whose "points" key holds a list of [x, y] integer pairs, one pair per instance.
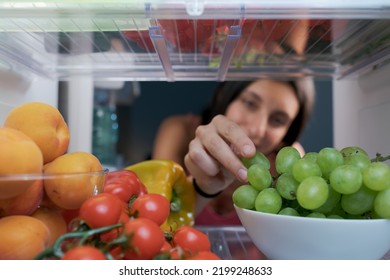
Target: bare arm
{"points": [[173, 137]]}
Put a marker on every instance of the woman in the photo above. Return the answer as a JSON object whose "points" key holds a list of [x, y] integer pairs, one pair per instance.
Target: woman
{"points": [[263, 115]]}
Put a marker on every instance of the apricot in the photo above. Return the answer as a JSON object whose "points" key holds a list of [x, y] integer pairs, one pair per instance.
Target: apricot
{"points": [[44, 124], [72, 178], [54, 221], [22, 237], [25, 203], [19, 154]]}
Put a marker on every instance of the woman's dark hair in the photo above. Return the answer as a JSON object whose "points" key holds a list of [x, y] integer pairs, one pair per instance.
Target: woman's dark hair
{"points": [[228, 91]]}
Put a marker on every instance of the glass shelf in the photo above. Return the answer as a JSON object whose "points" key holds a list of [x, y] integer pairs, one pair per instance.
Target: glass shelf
{"points": [[233, 243], [195, 40]]}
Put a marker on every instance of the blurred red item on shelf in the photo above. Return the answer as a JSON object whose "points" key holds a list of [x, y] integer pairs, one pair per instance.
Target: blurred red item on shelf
{"points": [[141, 38]]}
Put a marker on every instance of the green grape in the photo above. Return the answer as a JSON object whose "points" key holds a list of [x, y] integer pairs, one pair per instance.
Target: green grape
{"points": [[338, 210], [353, 150], [377, 176], [335, 216], [331, 203], [382, 204], [288, 211], [295, 205], [312, 192], [244, 196], [259, 158], [346, 179], [285, 159], [328, 159], [259, 177], [359, 202], [287, 186], [268, 201], [316, 215], [304, 168], [359, 160], [311, 156]]}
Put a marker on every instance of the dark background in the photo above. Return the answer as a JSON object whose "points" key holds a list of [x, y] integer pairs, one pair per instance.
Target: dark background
{"points": [[139, 119]]}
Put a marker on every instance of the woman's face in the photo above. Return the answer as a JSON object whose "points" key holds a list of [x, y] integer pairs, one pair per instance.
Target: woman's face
{"points": [[265, 110]]}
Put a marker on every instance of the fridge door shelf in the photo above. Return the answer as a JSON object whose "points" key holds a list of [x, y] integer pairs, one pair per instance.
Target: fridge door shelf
{"points": [[195, 40]]}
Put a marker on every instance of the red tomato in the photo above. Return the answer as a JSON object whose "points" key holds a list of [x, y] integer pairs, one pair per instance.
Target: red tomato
{"points": [[83, 252], [128, 175], [191, 240], [143, 190], [146, 239], [204, 255], [70, 215], [166, 247], [152, 206], [123, 183], [122, 189], [176, 254], [114, 233], [101, 210], [117, 252]]}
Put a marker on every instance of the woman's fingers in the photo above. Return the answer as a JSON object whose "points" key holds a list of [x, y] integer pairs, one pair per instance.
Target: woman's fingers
{"points": [[235, 135], [202, 159], [221, 143]]}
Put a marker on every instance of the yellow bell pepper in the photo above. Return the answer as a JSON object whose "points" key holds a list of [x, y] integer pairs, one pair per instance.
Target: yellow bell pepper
{"points": [[169, 179]]}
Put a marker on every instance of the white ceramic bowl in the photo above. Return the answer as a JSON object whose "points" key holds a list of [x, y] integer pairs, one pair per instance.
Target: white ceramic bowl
{"points": [[281, 237]]}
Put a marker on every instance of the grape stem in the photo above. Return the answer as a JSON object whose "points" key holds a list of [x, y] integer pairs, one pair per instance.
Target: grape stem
{"points": [[380, 158]]}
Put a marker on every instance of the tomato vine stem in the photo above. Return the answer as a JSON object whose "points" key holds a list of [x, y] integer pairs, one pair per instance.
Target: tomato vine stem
{"points": [[56, 251]]}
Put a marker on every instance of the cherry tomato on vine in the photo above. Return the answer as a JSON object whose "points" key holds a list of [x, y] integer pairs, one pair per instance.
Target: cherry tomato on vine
{"points": [[145, 239], [123, 183], [143, 190], [101, 210], [191, 240], [70, 215], [126, 175], [152, 206], [84, 252], [114, 233], [117, 252], [122, 190], [204, 255], [166, 247], [176, 253]]}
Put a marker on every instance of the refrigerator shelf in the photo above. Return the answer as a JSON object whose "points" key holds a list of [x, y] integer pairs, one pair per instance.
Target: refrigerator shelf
{"points": [[195, 40], [233, 243]]}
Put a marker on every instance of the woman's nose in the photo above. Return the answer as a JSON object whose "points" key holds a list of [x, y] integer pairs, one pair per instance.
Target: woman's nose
{"points": [[258, 128]]}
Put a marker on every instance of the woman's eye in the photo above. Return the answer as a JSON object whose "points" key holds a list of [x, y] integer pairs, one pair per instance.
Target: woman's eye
{"points": [[250, 104], [278, 121]]}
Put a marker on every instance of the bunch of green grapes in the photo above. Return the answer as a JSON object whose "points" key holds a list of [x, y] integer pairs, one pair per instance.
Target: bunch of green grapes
{"points": [[330, 183]]}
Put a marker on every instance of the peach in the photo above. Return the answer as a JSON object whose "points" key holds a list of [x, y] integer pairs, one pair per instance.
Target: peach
{"points": [[71, 184], [19, 154], [25, 203], [44, 124]]}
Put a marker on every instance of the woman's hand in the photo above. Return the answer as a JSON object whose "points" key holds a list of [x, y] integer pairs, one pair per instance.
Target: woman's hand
{"points": [[214, 154]]}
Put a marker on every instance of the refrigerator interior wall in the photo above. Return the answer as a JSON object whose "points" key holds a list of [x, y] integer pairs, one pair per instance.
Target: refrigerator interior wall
{"points": [[16, 90], [362, 112]]}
